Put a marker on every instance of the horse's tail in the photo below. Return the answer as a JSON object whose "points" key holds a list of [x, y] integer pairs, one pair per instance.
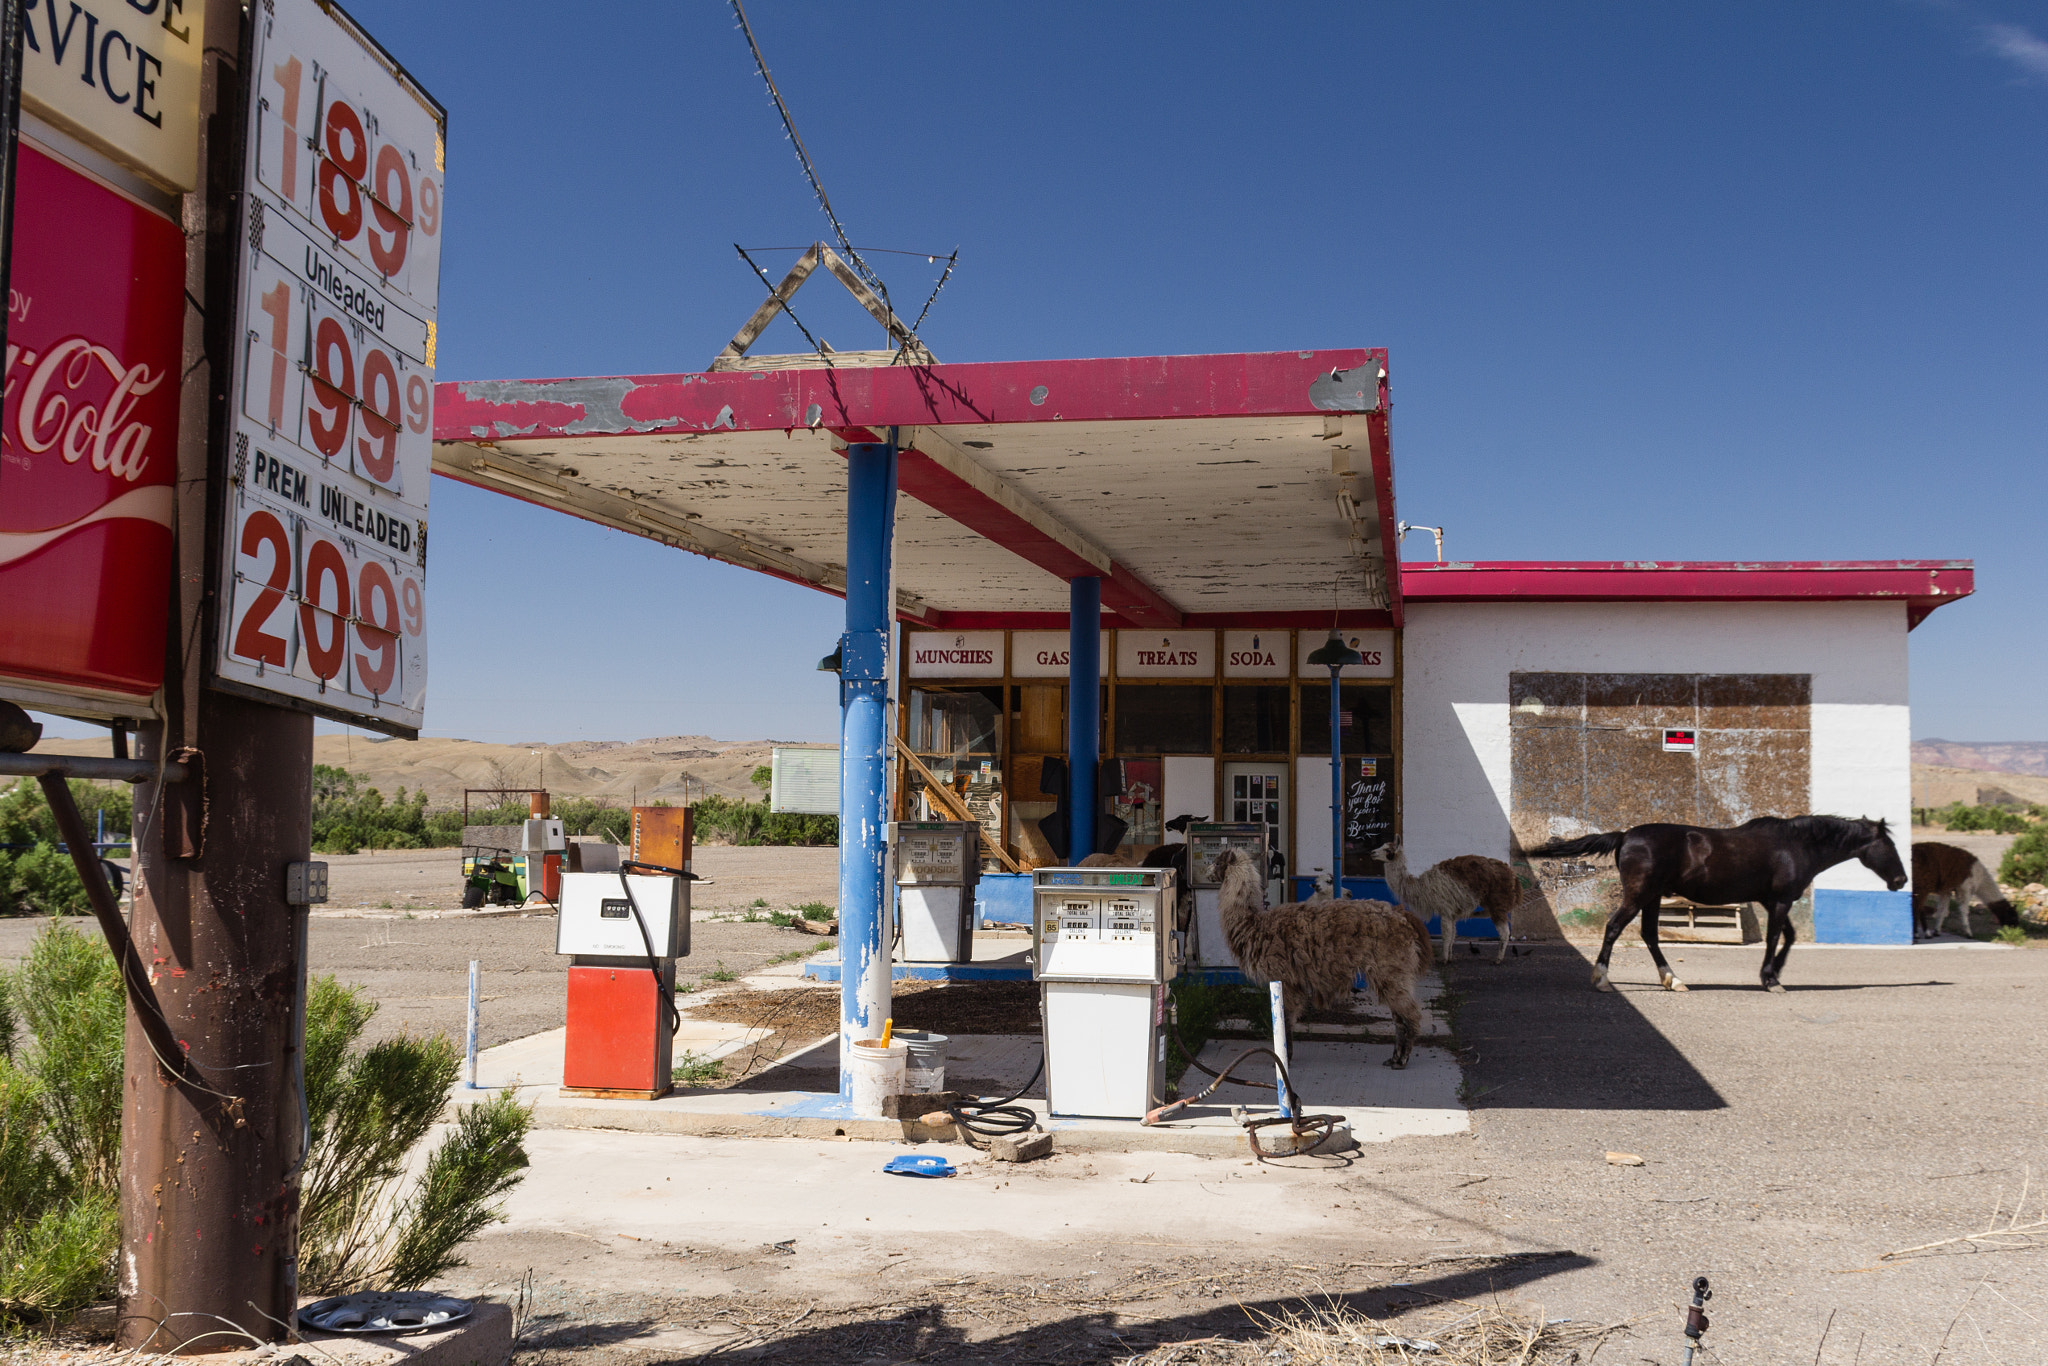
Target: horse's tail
{"points": [[1585, 844]]}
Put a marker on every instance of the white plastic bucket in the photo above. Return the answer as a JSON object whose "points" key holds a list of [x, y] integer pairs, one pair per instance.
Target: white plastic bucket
{"points": [[925, 1070], [877, 1072]]}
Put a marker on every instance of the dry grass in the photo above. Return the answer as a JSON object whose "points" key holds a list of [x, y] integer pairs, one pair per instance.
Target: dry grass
{"points": [[1456, 1334], [2009, 1236]]}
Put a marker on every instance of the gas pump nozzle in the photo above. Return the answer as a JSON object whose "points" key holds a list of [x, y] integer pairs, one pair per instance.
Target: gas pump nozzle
{"points": [[1696, 1316]]}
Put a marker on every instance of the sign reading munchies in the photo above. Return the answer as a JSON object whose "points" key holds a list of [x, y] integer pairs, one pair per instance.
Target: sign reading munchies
{"points": [[955, 654]]}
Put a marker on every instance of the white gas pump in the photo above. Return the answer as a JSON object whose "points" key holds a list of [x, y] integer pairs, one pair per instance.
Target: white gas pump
{"points": [[1207, 839], [934, 866], [1103, 948]]}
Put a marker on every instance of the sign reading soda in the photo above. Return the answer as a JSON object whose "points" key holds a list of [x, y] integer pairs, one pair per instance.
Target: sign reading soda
{"points": [[88, 437], [324, 561]]}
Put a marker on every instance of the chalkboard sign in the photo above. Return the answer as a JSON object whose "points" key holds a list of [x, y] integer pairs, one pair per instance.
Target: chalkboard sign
{"points": [[1368, 808]]}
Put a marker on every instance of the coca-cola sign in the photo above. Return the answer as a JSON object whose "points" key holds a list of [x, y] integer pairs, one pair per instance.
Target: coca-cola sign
{"points": [[87, 436]]}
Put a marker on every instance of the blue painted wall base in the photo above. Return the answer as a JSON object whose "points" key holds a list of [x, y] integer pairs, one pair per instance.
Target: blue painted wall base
{"points": [[1862, 917], [1003, 899]]}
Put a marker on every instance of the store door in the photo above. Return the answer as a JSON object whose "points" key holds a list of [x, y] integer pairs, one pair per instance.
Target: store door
{"points": [[1258, 792]]}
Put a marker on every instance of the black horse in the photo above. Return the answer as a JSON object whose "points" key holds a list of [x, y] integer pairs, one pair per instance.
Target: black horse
{"points": [[1769, 860]]}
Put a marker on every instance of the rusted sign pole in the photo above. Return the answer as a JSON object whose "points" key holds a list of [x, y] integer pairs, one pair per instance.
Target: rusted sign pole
{"points": [[209, 1197]]}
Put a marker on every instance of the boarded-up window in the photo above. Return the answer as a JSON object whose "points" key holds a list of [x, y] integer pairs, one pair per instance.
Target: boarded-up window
{"points": [[1589, 751]]}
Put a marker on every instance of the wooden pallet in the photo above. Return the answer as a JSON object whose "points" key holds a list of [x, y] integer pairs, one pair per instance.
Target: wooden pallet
{"points": [[1682, 922]]}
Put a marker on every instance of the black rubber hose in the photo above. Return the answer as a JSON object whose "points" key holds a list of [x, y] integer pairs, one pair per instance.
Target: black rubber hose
{"points": [[675, 1016], [994, 1118]]}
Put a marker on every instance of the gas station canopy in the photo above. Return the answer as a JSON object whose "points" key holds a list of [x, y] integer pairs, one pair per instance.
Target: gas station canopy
{"points": [[1202, 490]]}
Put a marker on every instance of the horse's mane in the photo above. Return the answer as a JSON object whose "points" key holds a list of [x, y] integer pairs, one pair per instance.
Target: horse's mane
{"points": [[1833, 833]]}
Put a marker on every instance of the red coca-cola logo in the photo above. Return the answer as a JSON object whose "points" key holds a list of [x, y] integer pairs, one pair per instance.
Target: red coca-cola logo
{"points": [[79, 399]]}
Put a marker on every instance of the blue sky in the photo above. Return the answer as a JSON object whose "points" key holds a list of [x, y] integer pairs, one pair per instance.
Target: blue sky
{"points": [[1705, 282]]}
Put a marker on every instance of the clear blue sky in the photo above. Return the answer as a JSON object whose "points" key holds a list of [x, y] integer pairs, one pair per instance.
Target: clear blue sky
{"points": [[1734, 281]]}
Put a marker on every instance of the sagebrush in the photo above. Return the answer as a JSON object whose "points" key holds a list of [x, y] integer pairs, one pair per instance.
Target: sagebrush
{"points": [[373, 1216]]}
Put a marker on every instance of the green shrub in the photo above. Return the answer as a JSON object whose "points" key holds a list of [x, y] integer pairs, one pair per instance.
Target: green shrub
{"points": [[39, 879], [2027, 860], [362, 1224], [60, 1126], [744, 822], [359, 1226], [1962, 818]]}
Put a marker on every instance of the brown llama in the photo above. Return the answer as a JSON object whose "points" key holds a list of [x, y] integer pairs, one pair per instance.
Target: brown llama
{"points": [[1315, 948], [1945, 878], [1452, 888]]}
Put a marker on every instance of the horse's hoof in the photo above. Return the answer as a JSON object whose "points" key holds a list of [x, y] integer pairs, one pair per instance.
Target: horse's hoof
{"points": [[1673, 984], [1773, 986], [1600, 982]]}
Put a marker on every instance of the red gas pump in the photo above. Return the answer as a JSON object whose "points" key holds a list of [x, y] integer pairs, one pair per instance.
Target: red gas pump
{"points": [[622, 933]]}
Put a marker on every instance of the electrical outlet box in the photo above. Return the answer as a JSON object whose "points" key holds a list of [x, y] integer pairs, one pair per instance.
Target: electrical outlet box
{"points": [[305, 884], [543, 835]]}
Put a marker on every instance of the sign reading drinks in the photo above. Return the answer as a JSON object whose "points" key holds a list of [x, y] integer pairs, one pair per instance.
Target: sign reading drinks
{"points": [[323, 574], [88, 439], [1375, 647], [122, 75], [955, 654]]}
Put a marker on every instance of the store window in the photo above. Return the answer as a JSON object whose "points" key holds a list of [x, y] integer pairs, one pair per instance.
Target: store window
{"points": [[1255, 719], [957, 735], [1368, 718], [1165, 718]]}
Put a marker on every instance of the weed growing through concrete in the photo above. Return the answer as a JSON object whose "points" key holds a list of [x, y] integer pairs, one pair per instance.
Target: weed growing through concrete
{"points": [[2015, 935], [697, 1070], [789, 957], [721, 973]]}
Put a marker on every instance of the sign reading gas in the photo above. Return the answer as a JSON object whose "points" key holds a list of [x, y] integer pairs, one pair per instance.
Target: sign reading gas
{"points": [[324, 567], [122, 75]]}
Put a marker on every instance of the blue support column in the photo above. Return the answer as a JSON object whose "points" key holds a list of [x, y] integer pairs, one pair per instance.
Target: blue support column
{"points": [[1084, 713], [1337, 786], [864, 748]]}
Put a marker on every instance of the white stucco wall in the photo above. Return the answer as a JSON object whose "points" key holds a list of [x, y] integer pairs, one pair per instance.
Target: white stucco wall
{"points": [[1457, 658]]}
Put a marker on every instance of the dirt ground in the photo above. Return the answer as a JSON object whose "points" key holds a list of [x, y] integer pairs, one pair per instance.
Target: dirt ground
{"points": [[1889, 1098], [415, 963]]}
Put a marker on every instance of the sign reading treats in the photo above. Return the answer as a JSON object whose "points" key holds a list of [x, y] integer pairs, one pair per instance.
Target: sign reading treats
{"points": [[1256, 654], [1376, 646], [122, 75], [1165, 654], [955, 654], [1043, 654]]}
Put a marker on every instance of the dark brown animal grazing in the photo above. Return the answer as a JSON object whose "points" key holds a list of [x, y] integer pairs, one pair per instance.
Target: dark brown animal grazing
{"points": [[1945, 878], [1315, 948]]}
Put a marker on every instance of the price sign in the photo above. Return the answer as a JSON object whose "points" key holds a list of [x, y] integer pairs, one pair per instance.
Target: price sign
{"points": [[323, 595]]}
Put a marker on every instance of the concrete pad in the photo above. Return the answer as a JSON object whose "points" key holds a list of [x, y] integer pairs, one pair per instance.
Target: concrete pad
{"points": [[997, 958], [1341, 1077]]}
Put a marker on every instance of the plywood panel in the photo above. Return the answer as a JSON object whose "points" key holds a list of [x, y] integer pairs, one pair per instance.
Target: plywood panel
{"points": [[1041, 719], [1549, 773], [1744, 774], [1649, 700], [1546, 700], [1630, 780], [1755, 701]]}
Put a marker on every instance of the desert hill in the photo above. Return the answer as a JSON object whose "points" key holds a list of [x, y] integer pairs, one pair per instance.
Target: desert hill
{"points": [[620, 771], [1941, 784], [2029, 757]]}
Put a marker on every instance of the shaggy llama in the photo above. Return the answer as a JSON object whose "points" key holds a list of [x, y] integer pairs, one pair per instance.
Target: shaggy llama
{"points": [[1315, 948], [1452, 888]]}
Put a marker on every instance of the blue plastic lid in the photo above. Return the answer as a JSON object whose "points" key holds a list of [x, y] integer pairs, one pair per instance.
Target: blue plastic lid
{"points": [[909, 1165]]}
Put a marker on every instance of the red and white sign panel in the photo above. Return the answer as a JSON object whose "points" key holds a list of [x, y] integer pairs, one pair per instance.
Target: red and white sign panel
{"points": [[1681, 742], [88, 435], [324, 595]]}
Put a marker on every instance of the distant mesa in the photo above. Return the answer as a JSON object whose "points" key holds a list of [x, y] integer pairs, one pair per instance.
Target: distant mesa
{"points": [[1990, 756]]}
